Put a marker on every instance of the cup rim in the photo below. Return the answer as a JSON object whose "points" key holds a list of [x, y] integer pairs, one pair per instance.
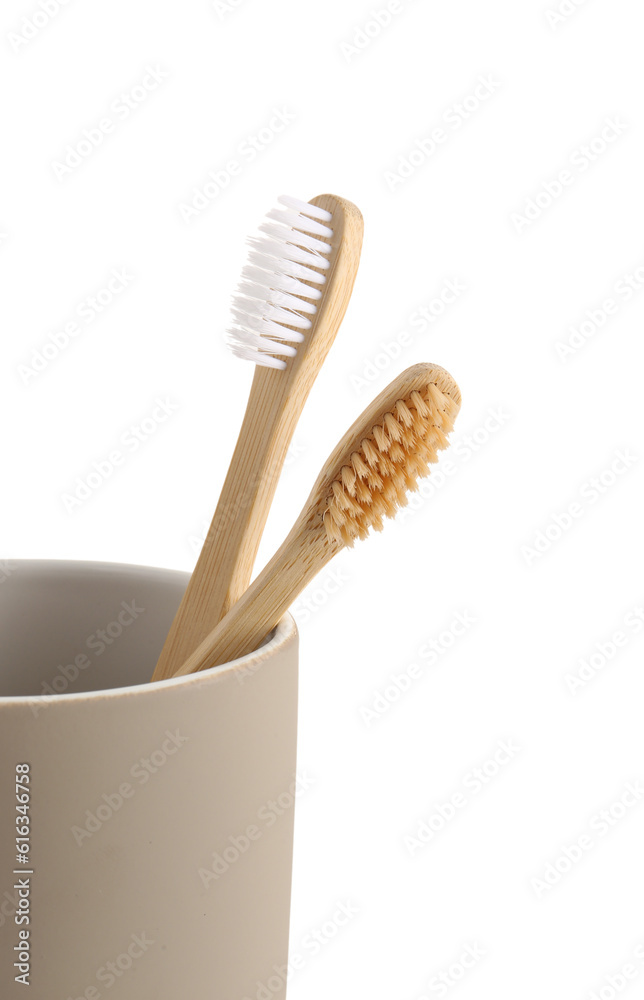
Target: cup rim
{"points": [[283, 635]]}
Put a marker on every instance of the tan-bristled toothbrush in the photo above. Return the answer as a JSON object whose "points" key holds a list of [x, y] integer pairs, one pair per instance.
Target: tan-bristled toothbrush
{"points": [[290, 303], [365, 479]]}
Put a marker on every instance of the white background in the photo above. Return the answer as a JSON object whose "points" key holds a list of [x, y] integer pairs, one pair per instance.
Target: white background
{"points": [[471, 544]]}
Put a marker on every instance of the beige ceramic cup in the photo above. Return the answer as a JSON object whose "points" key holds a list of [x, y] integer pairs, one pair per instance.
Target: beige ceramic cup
{"points": [[143, 853]]}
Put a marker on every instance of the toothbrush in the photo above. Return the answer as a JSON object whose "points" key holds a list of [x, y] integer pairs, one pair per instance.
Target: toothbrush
{"points": [[365, 479], [289, 305]]}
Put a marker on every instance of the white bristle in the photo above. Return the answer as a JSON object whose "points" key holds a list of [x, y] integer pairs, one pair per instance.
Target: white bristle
{"points": [[282, 282], [300, 238], [305, 208], [269, 325], [298, 221], [253, 290], [271, 297], [285, 266]]}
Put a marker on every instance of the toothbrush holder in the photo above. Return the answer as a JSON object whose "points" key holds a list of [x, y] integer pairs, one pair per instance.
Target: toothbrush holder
{"points": [[139, 855]]}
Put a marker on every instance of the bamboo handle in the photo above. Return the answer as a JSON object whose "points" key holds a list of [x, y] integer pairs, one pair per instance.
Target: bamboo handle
{"points": [[224, 568], [258, 611]]}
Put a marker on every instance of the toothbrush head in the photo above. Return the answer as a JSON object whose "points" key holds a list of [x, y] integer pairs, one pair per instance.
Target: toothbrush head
{"points": [[283, 283], [389, 448]]}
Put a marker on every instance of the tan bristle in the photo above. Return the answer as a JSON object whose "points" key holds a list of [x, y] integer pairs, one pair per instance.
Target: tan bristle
{"points": [[363, 493], [397, 453], [403, 413], [436, 437], [370, 452], [379, 503], [390, 491], [409, 479], [393, 428], [419, 404], [332, 528], [349, 480], [388, 464], [359, 466], [342, 501], [434, 394], [381, 439]]}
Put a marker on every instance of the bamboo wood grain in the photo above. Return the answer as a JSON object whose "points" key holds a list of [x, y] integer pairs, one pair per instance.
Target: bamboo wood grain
{"points": [[224, 568], [307, 548]]}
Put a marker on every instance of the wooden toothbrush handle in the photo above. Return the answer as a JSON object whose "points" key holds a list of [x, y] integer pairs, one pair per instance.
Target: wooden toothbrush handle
{"points": [[258, 611], [225, 565]]}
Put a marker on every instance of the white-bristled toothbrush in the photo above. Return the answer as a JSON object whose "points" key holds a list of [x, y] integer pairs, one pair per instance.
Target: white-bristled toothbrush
{"points": [[292, 298]]}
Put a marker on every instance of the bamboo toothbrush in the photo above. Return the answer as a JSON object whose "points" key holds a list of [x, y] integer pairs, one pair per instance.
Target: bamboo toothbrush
{"points": [[365, 479], [290, 303]]}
